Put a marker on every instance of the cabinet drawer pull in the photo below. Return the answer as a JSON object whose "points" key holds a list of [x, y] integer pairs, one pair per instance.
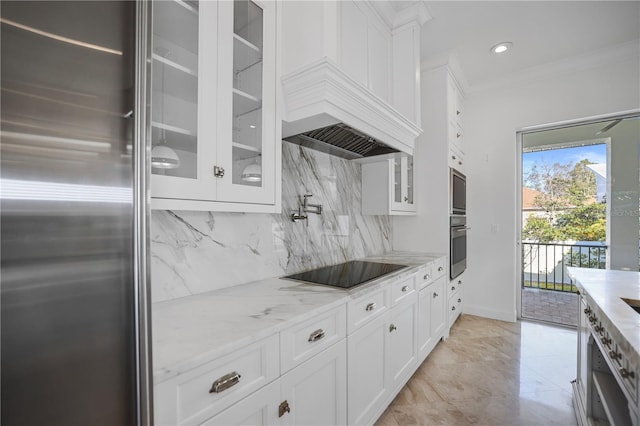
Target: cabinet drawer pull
{"points": [[392, 327], [225, 382], [440, 268], [370, 307], [283, 408], [316, 335], [405, 288]]}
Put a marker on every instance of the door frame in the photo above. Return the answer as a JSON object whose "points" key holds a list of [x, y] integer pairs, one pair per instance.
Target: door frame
{"points": [[519, 182]]}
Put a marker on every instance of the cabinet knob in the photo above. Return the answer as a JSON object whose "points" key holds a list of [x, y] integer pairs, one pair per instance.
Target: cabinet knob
{"points": [[392, 327], [458, 135], [453, 287], [406, 199], [427, 276], [459, 282], [626, 373], [459, 300], [405, 288], [440, 268], [316, 335], [435, 295], [453, 308], [458, 112], [460, 163], [453, 157], [218, 171], [225, 382], [370, 307], [283, 408]]}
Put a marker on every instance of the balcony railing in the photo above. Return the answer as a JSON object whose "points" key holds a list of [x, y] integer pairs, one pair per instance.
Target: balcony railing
{"points": [[544, 265]]}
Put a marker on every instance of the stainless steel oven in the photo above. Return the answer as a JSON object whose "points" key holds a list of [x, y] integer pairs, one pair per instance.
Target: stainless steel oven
{"points": [[458, 193], [458, 245]]}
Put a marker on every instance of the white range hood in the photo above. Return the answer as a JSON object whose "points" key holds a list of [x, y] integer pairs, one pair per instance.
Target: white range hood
{"points": [[325, 86]]}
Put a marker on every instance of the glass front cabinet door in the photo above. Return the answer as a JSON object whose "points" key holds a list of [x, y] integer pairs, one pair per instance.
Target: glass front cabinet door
{"points": [[403, 183], [213, 105]]}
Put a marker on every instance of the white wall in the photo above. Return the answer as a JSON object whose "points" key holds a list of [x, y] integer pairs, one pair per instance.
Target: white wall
{"points": [[493, 115]]}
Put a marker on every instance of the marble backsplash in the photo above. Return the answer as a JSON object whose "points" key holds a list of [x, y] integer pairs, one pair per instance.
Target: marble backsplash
{"points": [[194, 252]]}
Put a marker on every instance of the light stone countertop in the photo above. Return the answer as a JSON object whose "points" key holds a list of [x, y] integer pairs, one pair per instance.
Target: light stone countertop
{"points": [[605, 288], [190, 331]]}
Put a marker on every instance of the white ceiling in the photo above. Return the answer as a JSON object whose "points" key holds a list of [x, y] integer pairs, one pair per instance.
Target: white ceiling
{"points": [[542, 32]]}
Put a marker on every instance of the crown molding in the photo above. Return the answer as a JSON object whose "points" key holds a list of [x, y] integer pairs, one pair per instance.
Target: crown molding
{"points": [[417, 12], [598, 58], [320, 94], [449, 60]]}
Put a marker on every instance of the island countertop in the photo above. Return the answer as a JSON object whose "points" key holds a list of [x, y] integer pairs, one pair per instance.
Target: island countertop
{"points": [[606, 289], [192, 330]]}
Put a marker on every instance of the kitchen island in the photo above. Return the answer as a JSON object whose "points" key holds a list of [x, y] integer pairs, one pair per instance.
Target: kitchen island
{"points": [[606, 386]]}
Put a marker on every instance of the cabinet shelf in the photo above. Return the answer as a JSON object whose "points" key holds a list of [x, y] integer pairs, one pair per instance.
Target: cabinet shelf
{"points": [[191, 6], [612, 397], [245, 54], [244, 103], [174, 65], [173, 129]]}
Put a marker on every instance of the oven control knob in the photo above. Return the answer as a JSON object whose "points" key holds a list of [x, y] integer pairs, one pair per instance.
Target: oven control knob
{"points": [[605, 341], [592, 319], [598, 329], [615, 355], [587, 310]]}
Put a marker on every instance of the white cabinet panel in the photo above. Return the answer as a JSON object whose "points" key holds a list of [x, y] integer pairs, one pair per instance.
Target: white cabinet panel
{"points": [[258, 409], [379, 63], [438, 306], [353, 41], [316, 391], [425, 338], [402, 344], [366, 369]]}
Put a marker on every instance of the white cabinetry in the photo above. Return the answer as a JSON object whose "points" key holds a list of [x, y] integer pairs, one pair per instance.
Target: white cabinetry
{"points": [[316, 390], [431, 306], [258, 409], [354, 62], [454, 297], [402, 343], [388, 186], [215, 130]]}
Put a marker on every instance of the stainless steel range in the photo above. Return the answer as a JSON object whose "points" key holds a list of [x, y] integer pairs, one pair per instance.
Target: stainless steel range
{"points": [[348, 274]]}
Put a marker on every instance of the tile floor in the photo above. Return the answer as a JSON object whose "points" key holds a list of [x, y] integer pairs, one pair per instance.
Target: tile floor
{"points": [[491, 373], [553, 306]]}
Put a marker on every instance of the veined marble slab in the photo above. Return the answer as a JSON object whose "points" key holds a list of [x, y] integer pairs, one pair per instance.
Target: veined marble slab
{"points": [[190, 331], [605, 288], [194, 252]]}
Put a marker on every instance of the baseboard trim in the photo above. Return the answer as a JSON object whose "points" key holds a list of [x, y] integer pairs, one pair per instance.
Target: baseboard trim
{"points": [[489, 313]]}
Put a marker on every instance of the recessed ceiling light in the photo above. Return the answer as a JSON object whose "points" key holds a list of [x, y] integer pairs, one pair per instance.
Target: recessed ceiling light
{"points": [[501, 47]]}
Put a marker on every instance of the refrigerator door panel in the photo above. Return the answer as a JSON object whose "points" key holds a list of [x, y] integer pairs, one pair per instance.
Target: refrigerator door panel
{"points": [[67, 198]]}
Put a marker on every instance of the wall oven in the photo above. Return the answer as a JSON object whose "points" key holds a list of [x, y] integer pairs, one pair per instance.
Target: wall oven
{"points": [[458, 193], [458, 245]]}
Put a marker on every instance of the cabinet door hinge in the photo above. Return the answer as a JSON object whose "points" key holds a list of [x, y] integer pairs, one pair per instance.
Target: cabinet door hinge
{"points": [[283, 408], [218, 171]]}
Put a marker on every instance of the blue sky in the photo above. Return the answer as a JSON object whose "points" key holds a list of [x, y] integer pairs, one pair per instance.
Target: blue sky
{"points": [[594, 153]]}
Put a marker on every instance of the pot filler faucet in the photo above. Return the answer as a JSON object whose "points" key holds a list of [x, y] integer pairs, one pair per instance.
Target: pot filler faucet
{"points": [[306, 208]]}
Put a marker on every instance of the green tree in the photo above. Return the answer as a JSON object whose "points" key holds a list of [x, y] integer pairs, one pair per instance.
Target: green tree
{"points": [[539, 229], [583, 183], [583, 223], [553, 182]]}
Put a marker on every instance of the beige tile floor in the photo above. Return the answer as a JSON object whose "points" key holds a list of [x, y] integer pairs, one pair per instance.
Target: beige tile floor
{"points": [[491, 373]]}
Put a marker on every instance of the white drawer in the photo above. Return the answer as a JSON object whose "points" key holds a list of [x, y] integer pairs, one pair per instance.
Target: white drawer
{"points": [[454, 286], [302, 341], [366, 308], [439, 267], [455, 307], [403, 288], [425, 276], [190, 398], [456, 161]]}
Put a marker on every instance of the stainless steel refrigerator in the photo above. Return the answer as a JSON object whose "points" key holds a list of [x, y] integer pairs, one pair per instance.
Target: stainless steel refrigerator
{"points": [[74, 315]]}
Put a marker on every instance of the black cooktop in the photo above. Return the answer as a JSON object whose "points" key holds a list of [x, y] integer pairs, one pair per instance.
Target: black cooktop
{"points": [[348, 274]]}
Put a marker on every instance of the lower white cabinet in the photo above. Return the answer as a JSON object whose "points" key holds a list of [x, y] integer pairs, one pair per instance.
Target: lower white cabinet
{"points": [[315, 392], [367, 390], [260, 408], [402, 343], [431, 320]]}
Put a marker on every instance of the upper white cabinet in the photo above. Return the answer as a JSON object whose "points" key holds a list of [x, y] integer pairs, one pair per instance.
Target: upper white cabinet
{"points": [[388, 186], [355, 62], [215, 129], [455, 114]]}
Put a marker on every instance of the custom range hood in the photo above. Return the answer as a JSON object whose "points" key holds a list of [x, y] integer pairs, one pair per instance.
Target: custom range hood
{"points": [[325, 109]]}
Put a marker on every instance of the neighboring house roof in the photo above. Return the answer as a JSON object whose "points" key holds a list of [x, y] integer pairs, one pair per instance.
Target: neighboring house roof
{"points": [[528, 199], [599, 169]]}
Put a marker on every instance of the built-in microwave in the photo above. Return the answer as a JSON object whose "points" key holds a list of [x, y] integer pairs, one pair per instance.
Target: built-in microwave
{"points": [[458, 193]]}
